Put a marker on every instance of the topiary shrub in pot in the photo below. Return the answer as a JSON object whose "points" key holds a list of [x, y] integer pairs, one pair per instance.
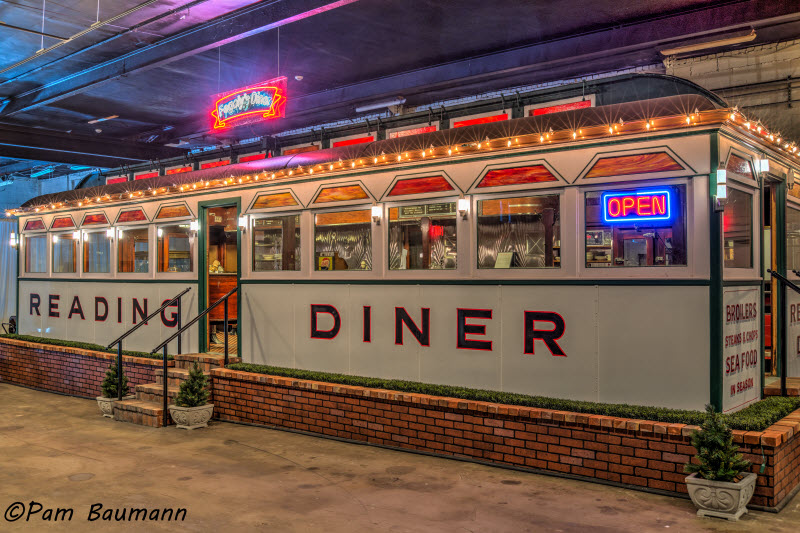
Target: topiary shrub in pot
{"points": [[109, 390], [191, 409], [720, 484]]}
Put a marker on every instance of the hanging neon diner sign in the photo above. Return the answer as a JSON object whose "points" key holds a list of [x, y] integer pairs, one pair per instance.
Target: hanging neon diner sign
{"points": [[255, 103], [638, 205]]}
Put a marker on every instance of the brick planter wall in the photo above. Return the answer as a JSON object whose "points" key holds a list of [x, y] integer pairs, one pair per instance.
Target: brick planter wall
{"points": [[639, 453], [72, 371]]}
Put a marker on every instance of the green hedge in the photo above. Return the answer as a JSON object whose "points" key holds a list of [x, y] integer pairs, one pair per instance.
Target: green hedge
{"points": [[756, 417], [81, 345]]}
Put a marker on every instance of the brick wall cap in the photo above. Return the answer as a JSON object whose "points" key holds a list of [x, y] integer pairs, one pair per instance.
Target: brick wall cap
{"points": [[80, 351]]}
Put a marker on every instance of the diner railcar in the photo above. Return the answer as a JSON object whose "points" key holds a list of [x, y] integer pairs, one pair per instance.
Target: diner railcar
{"points": [[612, 253]]}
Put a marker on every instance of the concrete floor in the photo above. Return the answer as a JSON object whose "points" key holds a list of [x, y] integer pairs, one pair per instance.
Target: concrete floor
{"points": [[61, 453]]}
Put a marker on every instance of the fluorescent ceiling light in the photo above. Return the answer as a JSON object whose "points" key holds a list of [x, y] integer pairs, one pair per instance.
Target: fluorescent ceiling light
{"points": [[397, 100], [722, 40], [95, 121]]}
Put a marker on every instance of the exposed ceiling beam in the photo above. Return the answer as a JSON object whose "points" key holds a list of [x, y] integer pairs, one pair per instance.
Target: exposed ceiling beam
{"points": [[595, 49], [228, 28], [602, 50], [21, 142]]}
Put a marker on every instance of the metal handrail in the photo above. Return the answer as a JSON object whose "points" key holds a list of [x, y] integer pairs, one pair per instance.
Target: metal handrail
{"points": [[198, 317], [146, 320], [786, 280], [118, 342], [163, 345]]}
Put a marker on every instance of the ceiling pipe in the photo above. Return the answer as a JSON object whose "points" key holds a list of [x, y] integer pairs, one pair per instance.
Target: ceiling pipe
{"points": [[26, 30]]}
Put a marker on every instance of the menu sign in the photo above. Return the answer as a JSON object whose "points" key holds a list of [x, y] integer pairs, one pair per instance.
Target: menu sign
{"points": [[416, 211], [741, 371]]}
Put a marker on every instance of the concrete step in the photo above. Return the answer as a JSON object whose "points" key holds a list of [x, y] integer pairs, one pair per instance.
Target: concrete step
{"points": [[144, 413], [154, 392], [207, 361]]}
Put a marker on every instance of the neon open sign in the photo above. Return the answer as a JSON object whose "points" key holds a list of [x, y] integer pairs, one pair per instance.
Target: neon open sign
{"points": [[262, 101], [637, 206]]}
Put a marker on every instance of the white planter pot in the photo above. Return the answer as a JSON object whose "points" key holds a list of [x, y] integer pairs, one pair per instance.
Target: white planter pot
{"points": [[107, 404], [191, 417], [720, 498]]}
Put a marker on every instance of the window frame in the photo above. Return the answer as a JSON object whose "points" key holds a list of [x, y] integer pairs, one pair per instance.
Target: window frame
{"points": [[190, 274], [753, 272], [251, 242], [24, 253], [687, 271], [567, 241], [76, 258], [111, 259], [310, 254], [516, 194], [150, 251], [463, 237]]}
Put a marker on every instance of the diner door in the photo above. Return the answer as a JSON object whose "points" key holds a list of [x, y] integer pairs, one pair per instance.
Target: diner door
{"points": [[222, 273], [774, 250]]}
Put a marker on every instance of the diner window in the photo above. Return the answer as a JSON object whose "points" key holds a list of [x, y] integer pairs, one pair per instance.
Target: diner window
{"points": [[792, 238], [423, 237], [174, 248], [343, 240], [737, 228], [133, 251], [276, 243], [36, 254], [636, 227], [520, 232], [65, 251], [96, 252]]}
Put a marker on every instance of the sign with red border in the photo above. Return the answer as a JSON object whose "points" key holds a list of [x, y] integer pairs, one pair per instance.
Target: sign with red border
{"points": [[255, 103]]}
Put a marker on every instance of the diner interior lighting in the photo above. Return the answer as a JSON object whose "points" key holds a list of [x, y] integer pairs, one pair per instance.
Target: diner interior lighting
{"points": [[463, 207]]}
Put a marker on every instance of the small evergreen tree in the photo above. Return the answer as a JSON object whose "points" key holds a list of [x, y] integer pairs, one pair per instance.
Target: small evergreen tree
{"points": [[194, 391], [111, 382], [719, 457]]}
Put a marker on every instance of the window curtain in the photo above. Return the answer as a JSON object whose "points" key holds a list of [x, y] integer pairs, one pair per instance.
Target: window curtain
{"points": [[8, 271]]}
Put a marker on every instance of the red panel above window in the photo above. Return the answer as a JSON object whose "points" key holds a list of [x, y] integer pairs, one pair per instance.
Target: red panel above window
{"points": [[131, 215], [633, 164], [97, 218], [350, 142], [481, 120], [252, 157], [427, 184], [414, 131], [517, 176], [178, 170], [212, 164], [119, 179], [146, 175], [63, 222], [559, 108], [301, 149], [33, 225]]}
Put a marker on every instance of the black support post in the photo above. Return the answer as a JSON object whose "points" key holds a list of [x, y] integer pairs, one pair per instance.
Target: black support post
{"points": [[165, 381], [179, 326], [225, 331], [119, 370]]}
